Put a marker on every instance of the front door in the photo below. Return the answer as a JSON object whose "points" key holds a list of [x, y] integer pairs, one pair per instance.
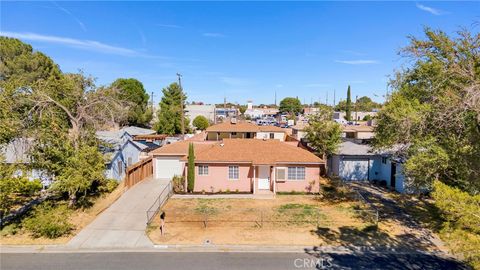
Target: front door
{"points": [[264, 177]]}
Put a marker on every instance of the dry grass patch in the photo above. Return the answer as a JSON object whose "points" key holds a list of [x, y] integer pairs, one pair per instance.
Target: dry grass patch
{"points": [[285, 220]]}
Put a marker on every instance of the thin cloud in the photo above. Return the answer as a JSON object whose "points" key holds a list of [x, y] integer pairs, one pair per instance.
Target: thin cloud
{"points": [[66, 11], [169, 25], [76, 43], [357, 62], [209, 34], [430, 10]]}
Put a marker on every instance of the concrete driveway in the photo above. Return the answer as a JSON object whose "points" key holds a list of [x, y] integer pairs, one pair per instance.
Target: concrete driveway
{"points": [[123, 224]]}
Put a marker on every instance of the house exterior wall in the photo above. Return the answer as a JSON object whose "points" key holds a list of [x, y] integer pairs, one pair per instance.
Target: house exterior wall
{"points": [[276, 135], [217, 178], [310, 184], [130, 153], [374, 168], [192, 111], [114, 171], [364, 135]]}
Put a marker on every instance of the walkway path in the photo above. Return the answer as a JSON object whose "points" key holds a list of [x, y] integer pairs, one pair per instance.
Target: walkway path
{"points": [[123, 224]]}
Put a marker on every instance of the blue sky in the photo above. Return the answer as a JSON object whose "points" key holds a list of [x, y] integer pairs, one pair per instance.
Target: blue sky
{"points": [[243, 50]]}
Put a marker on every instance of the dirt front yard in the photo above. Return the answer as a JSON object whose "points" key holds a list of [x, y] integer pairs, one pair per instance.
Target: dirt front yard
{"points": [[285, 220]]}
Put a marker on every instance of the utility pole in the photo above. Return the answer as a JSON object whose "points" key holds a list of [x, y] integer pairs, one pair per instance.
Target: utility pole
{"points": [[356, 99], [275, 98], [181, 104], [334, 100], [152, 102], [326, 99]]}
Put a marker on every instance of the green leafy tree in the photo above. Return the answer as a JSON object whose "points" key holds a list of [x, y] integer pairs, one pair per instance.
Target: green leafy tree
{"points": [[242, 109], [290, 105], [323, 134], [200, 122], [83, 168], [434, 111], [191, 168], [132, 91], [348, 105], [170, 113], [12, 188]]}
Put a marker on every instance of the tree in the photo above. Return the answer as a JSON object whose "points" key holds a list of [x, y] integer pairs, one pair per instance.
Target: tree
{"points": [[200, 122], [191, 168], [434, 111], [60, 112], [323, 134], [290, 105], [242, 109], [170, 116], [348, 105], [132, 91], [84, 167]]}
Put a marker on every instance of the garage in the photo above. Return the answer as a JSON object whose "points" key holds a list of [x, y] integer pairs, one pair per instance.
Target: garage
{"points": [[168, 166], [354, 169]]}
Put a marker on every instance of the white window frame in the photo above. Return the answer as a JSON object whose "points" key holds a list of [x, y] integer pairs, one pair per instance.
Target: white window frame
{"points": [[296, 173], [202, 170], [232, 169]]}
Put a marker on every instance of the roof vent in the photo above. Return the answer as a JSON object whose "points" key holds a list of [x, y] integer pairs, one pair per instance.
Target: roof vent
{"points": [[222, 144], [233, 120]]}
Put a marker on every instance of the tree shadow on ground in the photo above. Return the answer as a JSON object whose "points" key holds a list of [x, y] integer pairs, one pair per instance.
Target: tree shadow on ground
{"points": [[371, 237]]}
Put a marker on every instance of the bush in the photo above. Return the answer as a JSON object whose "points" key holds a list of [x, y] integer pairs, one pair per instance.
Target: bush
{"points": [[108, 186], [48, 221], [178, 184], [10, 229]]}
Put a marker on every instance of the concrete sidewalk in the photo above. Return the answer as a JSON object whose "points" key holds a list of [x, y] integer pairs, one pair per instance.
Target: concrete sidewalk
{"points": [[123, 224]]}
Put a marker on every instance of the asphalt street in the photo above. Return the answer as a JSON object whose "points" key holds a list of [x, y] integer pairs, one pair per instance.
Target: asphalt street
{"points": [[221, 260]]}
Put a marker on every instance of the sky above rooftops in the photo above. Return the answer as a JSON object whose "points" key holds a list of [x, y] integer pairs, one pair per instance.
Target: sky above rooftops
{"points": [[241, 50]]}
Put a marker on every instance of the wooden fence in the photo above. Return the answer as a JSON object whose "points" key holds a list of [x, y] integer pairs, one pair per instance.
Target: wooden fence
{"points": [[138, 171]]}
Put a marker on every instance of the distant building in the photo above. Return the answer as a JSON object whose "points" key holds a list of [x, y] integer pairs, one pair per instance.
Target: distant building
{"points": [[192, 111], [339, 117], [358, 133], [253, 113], [224, 113]]}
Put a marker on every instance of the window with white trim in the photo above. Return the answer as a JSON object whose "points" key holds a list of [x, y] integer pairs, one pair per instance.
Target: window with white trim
{"points": [[296, 173], [280, 174], [202, 169], [233, 172]]}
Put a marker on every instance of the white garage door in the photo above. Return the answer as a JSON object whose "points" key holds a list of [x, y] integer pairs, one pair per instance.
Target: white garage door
{"points": [[354, 170], [167, 167]]}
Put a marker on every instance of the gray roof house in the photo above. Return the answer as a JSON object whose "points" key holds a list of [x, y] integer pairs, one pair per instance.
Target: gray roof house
{"points": [[359, 162]]}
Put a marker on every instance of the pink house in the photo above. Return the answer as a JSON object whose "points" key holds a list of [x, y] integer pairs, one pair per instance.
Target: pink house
{"points": [[256, 166]]}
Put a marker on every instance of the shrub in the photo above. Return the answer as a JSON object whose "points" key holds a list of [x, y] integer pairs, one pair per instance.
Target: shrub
{"points": [[10, 229], [48, 221], [108, 186], [178, 184]]}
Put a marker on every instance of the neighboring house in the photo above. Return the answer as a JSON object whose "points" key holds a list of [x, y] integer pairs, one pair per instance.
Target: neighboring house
{"points": [[17, 153], [244, 130], [358, 162], [254, 166], [358, 133], [307, 111], [122, 150], [298, 131], [339, 117], [192, 111]]}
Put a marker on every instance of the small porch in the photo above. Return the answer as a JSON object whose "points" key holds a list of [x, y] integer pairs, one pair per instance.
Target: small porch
{"points": [[264, 180]]}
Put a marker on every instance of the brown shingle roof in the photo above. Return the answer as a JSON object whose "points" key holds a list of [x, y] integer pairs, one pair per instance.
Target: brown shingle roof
{"points": [[256, 152], [180, 148], [242, 127]]}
